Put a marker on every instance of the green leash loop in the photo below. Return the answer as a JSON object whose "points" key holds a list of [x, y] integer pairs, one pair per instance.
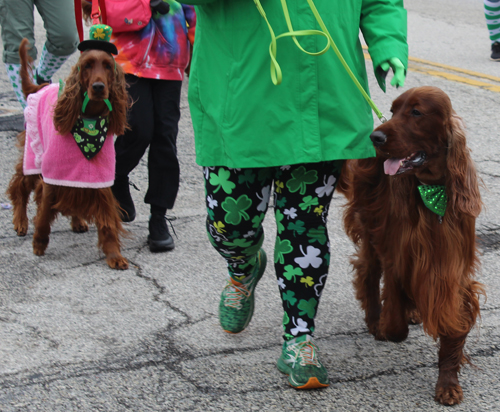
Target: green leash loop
{"points": [[276, 74], [86, 101]]}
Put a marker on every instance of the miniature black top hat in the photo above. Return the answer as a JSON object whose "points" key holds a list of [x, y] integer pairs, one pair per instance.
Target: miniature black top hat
{"points": [[99, 39]]}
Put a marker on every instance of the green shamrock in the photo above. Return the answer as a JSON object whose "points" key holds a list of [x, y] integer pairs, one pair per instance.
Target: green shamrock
{"points": [[234, 235], [264, 174], [291, 272], [309, 202], [279, 218], [281, 202], [289, 298], [307, 307], [327, 259], [211, 214], [222, 180], [281, 248], [102, 122], [317, 235], [252, 250], [78, 138], [298, 227], [89, 148], [300, 179], [286, 320], [238, 243], [246, 177], [236, 209], [257, 220]]}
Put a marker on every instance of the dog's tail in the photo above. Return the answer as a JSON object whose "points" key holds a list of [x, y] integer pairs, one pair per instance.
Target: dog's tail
{"points": [[26, 71]]}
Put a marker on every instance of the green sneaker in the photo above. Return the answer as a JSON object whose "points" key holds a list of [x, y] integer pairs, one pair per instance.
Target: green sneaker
{"points": [[299, 360], [237, 302]]}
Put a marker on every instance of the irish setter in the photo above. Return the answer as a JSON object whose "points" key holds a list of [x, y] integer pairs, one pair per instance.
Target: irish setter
{"points": [[426, 262], [96, 74]]}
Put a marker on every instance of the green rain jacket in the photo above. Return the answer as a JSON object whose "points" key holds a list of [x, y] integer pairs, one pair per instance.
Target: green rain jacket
{"points": [[241, 119]]}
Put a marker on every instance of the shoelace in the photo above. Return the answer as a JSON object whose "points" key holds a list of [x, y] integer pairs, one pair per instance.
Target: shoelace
{"points": [[306, 351], [236, 295]]}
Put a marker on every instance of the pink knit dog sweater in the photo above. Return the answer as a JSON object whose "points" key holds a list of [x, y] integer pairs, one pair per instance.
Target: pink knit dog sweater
{"points": [[56, 157]]}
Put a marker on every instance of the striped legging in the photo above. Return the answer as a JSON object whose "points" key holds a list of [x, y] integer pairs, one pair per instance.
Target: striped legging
{"points": [[492, 14]]}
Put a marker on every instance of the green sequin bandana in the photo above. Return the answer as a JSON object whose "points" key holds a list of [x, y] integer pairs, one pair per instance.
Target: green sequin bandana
{"points": [[434, 197], [90, 134]]}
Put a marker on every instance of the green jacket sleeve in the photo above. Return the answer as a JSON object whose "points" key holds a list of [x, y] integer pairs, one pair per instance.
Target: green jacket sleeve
{"points": [[384, 27]]}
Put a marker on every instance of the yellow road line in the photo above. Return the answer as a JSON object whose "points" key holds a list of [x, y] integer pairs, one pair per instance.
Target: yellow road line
{"points": [[449, 73]]}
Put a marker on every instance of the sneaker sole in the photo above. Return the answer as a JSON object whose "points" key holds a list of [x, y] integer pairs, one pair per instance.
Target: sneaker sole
{"points": [[262, 269], [312, 383]]}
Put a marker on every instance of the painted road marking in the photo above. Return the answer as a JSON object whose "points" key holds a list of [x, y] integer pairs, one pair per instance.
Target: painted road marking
{"points": [[451, 73]]}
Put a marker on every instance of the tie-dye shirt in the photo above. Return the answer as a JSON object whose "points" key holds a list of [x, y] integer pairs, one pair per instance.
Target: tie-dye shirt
{"points": [[162, 49]]}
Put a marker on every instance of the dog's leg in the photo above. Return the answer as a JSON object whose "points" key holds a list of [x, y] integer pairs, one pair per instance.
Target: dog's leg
{"points": [[367, 284], [109, 242], [78, 225], [44, 217], [448, 389], [393, 324], [19, 191]]}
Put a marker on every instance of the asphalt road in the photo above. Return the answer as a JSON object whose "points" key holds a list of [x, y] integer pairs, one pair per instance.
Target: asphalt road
{"points": [[78, 336]]}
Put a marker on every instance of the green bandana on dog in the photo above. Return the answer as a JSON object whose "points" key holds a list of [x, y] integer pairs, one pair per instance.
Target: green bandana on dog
{"points": [[434, 197], [90, 135]]}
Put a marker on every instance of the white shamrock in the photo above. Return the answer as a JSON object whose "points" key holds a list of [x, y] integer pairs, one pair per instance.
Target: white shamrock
{"points": [[311, 258], [212, 202], [281, 283], [266, 192], [290, 213], [327, 189], [300, 326]]}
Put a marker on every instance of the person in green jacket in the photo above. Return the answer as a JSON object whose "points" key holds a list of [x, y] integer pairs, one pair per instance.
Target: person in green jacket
{"points": [[254, 138]]}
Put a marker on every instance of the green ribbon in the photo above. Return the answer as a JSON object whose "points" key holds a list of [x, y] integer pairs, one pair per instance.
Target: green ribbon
{"points": [[276, 75], [434, 197], [86, 101]]}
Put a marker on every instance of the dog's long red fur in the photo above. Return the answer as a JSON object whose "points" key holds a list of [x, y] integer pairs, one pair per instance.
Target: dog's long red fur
{"points": [[427, 266], [82, 205]]}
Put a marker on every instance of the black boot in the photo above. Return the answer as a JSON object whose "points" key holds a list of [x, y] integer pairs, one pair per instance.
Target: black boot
{"points": [[121, 190], [159, 238]]}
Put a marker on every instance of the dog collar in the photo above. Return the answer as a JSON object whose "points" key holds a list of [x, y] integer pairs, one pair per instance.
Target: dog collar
{"points": [[434, 197], [86, 101], [90, 135]]}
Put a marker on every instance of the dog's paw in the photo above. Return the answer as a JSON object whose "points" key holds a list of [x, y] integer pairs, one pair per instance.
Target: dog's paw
{"points": [[21, 230], [21, 226], [414, 317], [119, 263], [39, 246], [449, 395], [79, 225]]}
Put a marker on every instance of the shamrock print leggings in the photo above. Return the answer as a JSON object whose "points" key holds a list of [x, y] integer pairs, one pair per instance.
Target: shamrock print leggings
{"points": [[237, 201]]}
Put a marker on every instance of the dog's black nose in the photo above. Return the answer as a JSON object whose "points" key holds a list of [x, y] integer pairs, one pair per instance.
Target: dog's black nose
{"points": [[98, 87], [378, 138]]}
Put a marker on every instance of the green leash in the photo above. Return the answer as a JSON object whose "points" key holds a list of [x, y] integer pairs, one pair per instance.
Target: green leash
{"points": [[276, 74]]}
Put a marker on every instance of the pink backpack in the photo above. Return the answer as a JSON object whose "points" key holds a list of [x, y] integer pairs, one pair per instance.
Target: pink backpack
{"points": [[127, 15]]}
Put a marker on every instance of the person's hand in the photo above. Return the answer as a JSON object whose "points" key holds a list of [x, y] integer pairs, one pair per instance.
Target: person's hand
{"points": [[399, 71]]}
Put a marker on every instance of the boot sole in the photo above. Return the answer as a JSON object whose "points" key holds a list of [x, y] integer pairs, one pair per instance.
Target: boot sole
{"points": [[161, 245]]}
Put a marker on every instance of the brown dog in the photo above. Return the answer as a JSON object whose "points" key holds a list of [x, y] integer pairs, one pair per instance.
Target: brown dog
{"points": [[426, 256], [98, 76]]}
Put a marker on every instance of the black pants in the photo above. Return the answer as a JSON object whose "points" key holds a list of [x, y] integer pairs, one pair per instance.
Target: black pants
{"points": [[153, 119]]}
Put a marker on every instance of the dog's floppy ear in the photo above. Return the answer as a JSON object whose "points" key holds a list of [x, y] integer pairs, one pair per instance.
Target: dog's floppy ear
{"points": [[119, 100], [69, 104], [462, 179]]}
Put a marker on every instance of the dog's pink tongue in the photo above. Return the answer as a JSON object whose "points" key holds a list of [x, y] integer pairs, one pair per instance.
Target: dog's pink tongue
{"points": [[391, 166]]}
